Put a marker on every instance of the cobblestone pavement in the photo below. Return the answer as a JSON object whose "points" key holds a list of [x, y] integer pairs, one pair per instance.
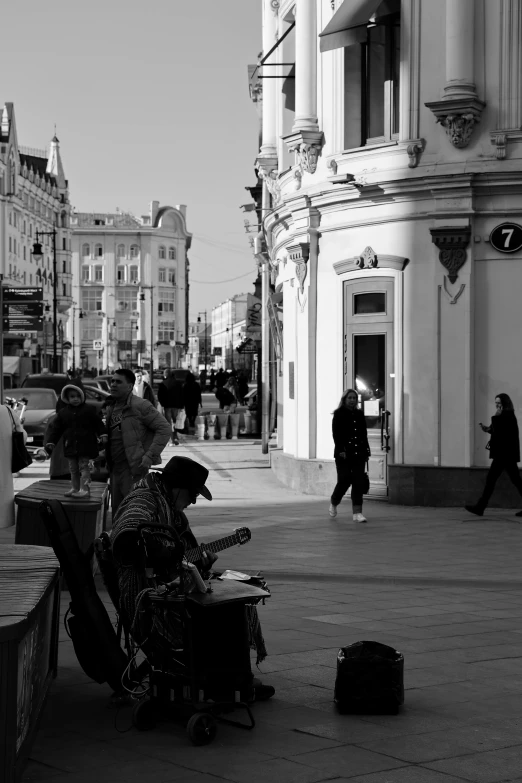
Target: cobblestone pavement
{"points": [[442, 587]]}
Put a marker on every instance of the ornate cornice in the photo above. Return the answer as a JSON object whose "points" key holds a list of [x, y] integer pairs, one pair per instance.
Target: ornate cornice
{"points": [[452, 242], [458, 117], [267, 169]]}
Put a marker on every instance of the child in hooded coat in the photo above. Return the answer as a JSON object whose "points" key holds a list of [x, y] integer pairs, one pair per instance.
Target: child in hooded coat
{"points": [[81, 428]]}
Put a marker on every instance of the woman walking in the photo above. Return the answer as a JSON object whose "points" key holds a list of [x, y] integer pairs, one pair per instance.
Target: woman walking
{"points": [[504, 450], [351, 453]]}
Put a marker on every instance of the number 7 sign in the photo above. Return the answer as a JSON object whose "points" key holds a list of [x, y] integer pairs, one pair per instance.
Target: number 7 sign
{"points": [[506, 238]]}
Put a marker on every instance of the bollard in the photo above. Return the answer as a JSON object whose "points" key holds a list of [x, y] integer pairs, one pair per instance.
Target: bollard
{"points": [[234, 425], [248, 423], [222, 420], [200, 426], [212, 426]]}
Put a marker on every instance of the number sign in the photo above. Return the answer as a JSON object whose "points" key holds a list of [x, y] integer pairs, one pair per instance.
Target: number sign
{"points": [[506, 238]]}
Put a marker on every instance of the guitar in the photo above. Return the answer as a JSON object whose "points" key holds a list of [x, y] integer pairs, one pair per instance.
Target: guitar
{"points": [[242, 535]]}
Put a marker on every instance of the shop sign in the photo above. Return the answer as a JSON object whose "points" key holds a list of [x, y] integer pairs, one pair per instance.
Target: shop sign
{"points": [[506, 238]]}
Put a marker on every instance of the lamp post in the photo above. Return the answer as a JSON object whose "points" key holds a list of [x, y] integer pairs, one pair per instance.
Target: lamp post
{"points": [[206, 348], [142, 299], [38, 256], [75, 309]]}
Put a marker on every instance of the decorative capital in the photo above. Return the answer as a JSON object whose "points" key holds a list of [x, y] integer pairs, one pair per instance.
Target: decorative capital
{"points": [[267, 170], [500, 142], [458, 116], [299, 254], [307, 147], [452, 243], [368, 259]]}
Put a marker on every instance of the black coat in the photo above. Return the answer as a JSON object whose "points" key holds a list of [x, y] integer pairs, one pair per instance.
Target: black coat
{"points": [[170, 393], [79, 427], [504, 442], [350, 434], [192, 396]]}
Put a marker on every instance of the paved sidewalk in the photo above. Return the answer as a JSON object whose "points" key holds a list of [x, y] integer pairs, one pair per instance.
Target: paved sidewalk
{"points": [[441, 586]]}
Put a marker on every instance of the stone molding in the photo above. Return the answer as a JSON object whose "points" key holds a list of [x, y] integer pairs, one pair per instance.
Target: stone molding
{"points": [[458, 116], [370, 260], [299, 253], [502, 138], [452, 242]]}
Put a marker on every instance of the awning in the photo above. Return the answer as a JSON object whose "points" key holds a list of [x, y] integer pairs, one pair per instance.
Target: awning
{"points": [[348, 25], [11, 364]]}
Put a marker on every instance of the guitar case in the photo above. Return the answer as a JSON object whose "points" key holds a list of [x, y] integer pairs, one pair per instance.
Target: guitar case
{"points": [[93, 636]]}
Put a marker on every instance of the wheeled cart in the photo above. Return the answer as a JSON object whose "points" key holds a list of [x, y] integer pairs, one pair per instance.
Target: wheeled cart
{"points": [[202, 672]]}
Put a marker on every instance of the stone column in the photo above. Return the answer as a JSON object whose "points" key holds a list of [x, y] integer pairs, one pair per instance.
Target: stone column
{"points": [[460, 33], [268, 145], [305, 66]]}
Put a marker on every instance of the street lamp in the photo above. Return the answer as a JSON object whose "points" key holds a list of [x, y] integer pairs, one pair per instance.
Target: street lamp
{"points": [[206, 350], [37, 254], [80, 311]]}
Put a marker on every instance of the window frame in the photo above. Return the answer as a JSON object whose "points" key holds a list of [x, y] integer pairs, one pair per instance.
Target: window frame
{"points": [[162, 252], [392, 29], [172, 253]]}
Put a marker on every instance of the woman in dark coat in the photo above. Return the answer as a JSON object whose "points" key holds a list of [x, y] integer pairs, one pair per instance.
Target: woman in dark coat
{"points": [[191, 398], [351, 453], [504, 450]]}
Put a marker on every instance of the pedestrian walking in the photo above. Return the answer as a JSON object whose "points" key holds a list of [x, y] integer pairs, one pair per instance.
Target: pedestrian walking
{"points": [[504, 451], [221, 378], [142, 388], [226, 397], [138, 433], [203, 379], [82, 431], [242, 386], [170, 397], [212, 381], [351, 452], [191, 398]]}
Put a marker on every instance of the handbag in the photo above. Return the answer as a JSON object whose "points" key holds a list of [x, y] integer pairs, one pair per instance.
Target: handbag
{"points": [[366, 481], [180, 419], [20, 457]]}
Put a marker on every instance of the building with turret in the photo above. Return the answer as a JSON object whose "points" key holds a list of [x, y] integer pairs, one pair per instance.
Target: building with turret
{"points": [[34, 197], [130, 287]]}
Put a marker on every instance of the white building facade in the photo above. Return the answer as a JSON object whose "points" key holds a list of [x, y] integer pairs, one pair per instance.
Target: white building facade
{"points": [[34, 197], [130, 288], [228, 327], [389, 160]]}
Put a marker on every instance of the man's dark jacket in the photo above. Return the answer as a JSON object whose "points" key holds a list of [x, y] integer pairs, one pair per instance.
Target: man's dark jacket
{"points": [[170, 393]]}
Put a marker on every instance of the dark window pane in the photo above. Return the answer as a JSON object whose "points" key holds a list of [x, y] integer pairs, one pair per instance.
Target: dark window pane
{"points": [[376, 66], [369, 369], [369, 303]]}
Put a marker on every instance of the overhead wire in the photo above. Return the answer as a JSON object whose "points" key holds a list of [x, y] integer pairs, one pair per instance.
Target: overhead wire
{"points": [[218, 282]]}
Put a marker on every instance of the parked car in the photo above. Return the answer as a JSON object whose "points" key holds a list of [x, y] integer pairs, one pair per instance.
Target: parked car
{"points": [[98, 383], [46, 380], [41, 406]]}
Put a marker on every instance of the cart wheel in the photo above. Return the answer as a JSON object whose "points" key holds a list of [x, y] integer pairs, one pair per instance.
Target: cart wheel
{"points": [[201, 728], [144, 715]]}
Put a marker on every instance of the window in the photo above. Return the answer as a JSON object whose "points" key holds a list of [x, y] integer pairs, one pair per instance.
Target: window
{"points": [[98, 274], [371, 78], [166, 331], [99, 222], [134, 251], [10, 244], [64, 267], [120, 273], [172, 253], [364, 304], [86, 250], [172, 276], [98, 251], [64, 289], [161, 252], [126, 331], [30, 279], [162, 275], [92, 299], [133, 274], [64, 243], [91, 330], [25, 259], [121, 251], [30, 229], [14, 245], [10, 219], [24, 228], [127, 300], [167, 302]]}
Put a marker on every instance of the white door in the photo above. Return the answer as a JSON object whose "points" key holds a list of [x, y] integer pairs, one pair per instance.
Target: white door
{"points": [[368, 365]]}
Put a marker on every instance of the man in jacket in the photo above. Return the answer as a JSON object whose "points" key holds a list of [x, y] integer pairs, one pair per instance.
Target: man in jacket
{"points": [[142, 388], [138, 433], [170, 397]]}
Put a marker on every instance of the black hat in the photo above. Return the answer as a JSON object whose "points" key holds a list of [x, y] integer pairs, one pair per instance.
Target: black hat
{"points": [[185, 473]]}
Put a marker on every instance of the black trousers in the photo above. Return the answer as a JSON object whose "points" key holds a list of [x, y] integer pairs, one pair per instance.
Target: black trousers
{"points": [[349, 473], [498, 466]]}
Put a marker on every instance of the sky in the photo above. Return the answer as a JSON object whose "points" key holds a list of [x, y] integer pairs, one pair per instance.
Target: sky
{"points": [[150, 102]]}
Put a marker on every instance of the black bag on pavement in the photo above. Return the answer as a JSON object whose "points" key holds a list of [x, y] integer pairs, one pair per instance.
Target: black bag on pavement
{"points": [[370, 678], [20, 457]]}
